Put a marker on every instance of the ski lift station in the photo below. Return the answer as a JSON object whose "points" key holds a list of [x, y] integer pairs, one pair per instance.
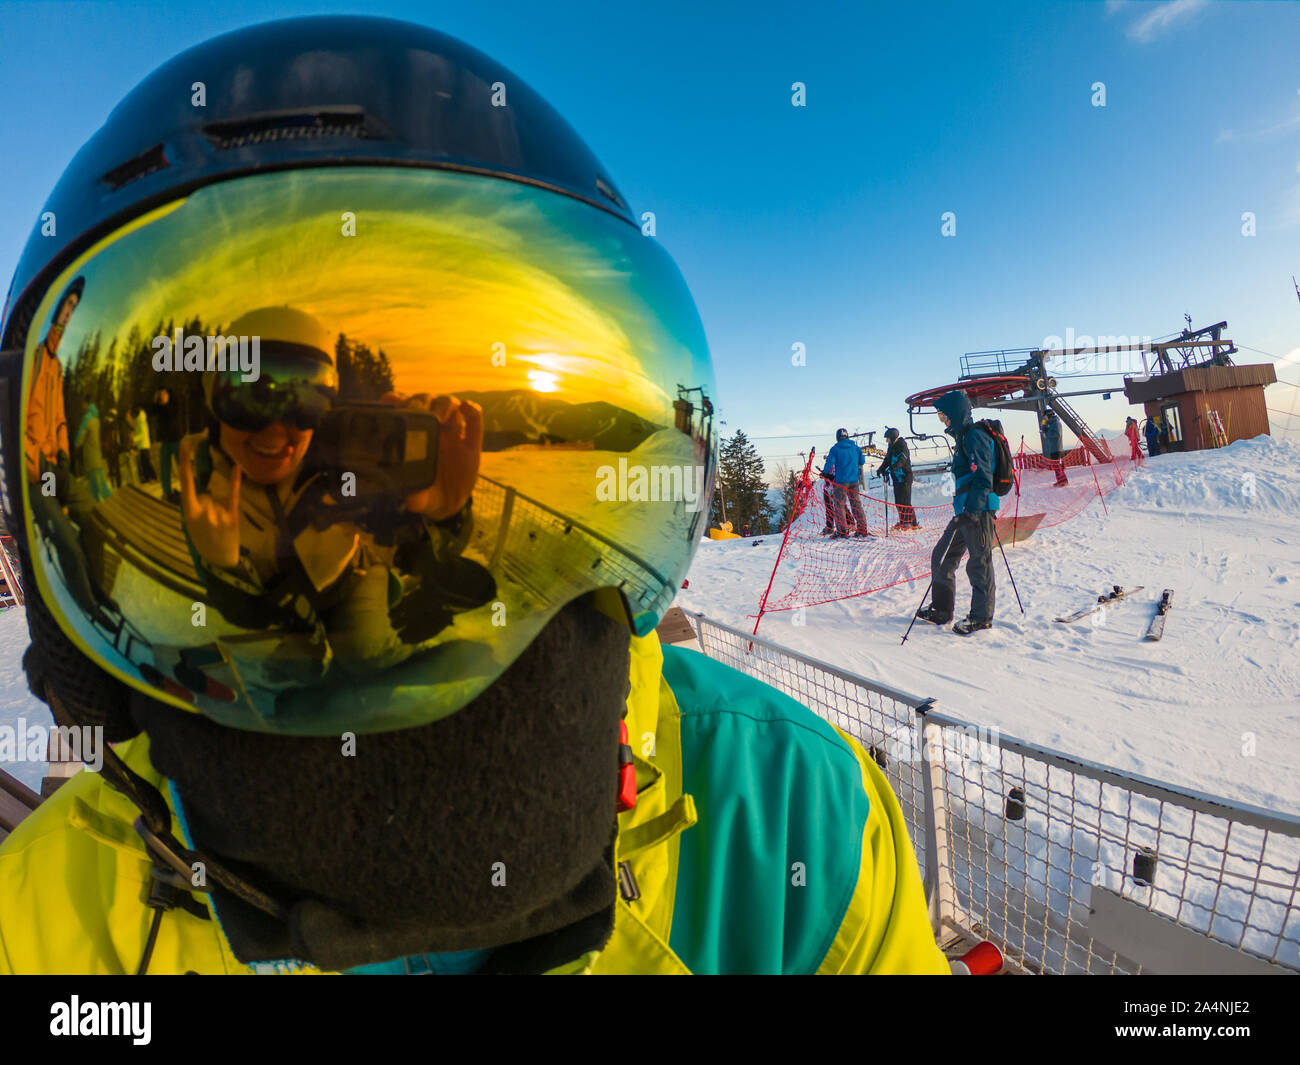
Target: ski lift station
{"points": [[1201, 395], [1190, 381]]}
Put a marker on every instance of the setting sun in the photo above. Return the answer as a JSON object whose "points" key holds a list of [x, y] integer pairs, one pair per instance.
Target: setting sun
{"points": [[543, 381]]}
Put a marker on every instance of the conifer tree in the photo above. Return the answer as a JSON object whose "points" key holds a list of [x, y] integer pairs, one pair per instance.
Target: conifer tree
{"points": [[742, 488], [789, 480]]}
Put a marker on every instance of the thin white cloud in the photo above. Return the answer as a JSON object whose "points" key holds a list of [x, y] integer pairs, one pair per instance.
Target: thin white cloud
{"points": [[1291, 206], [1284, 402], [1277, 129], [1288, 361], [1161, 17]]}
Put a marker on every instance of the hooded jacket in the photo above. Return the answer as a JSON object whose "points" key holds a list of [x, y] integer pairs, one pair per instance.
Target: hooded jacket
{"points": [[763, 840], [843, 461], [973, 457], [46, 429]]}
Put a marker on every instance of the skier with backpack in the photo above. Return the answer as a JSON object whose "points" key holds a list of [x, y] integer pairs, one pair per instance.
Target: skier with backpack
{"points": [[982, 469], [897, 471]]}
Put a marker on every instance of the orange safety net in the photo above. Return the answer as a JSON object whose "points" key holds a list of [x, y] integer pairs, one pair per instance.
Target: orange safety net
{"points": [[845, 542]]}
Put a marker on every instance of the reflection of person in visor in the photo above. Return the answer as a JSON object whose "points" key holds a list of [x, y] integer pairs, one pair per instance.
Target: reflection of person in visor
{"points": [[47, 422], [273, 541], [51, 484]]}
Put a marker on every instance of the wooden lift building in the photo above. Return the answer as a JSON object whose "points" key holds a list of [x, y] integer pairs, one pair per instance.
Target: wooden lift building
{"points": [[1204, 399]]}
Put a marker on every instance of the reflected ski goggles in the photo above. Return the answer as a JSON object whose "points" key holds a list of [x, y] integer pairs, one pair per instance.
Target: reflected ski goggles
{"points": [[288, 388], [507, 404]]}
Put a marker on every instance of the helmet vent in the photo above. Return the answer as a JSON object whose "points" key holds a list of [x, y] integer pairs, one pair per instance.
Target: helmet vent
{"points": [[349, 123], [608, 191], [136, 167]]}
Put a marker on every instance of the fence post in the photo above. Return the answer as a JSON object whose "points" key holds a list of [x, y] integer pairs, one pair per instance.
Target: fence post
{"points": [[802, 496], [1092, 466], [940, 897], [13, 585], [1020, 472], [507, 508]]}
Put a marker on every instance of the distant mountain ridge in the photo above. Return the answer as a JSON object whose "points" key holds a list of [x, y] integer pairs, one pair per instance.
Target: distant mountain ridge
{"points": [[521, 416]]}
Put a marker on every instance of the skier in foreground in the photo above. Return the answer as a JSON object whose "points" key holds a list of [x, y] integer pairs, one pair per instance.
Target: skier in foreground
{"points": [[971, 529], [538, 788]]}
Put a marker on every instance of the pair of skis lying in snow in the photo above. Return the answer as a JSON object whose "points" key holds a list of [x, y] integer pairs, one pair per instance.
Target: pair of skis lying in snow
{"points": [[1157, 627]]}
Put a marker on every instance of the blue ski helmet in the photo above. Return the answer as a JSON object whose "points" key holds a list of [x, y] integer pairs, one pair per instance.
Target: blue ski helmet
{"points": [[368, 528]]}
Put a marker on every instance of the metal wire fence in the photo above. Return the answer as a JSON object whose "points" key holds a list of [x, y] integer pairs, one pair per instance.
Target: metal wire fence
{"points": [[537, 549], [1068, 866]]}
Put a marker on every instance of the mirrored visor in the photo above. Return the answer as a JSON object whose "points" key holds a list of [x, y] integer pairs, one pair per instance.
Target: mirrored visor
{"points": [[324, 450]]}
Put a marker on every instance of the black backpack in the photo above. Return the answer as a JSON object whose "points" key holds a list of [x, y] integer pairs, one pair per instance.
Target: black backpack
{"points": [[1004, 477]]}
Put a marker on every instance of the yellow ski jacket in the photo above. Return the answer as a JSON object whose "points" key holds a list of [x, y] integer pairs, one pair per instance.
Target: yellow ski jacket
{"points": [[763, 841]]}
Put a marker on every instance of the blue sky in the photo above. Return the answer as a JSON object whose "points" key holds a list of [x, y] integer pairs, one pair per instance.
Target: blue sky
{"points": [[821, 224]]}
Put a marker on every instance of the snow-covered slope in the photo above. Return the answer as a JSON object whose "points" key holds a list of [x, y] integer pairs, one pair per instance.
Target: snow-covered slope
{"points": [[16, 702], [1215, 705], [1221, 528]]}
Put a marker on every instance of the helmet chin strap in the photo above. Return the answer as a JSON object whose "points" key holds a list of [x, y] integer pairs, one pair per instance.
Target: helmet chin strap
{"points": [[154, 827]]}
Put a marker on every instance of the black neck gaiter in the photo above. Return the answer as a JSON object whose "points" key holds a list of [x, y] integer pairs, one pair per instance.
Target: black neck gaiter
{"points": [[493, 827]]}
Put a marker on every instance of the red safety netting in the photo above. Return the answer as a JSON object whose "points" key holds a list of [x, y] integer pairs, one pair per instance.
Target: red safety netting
{"points": [[11, 586], [847, 542]]}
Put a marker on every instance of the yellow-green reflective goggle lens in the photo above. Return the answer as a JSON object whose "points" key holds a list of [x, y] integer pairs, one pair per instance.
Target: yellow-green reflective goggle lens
{"points": [[324, 450]]}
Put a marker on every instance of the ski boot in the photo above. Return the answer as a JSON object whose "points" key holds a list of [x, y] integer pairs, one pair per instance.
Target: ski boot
{"points": [[967, 625], [933, 616]]}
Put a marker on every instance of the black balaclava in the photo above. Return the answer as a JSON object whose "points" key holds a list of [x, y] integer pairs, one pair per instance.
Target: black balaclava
{"points": [[493, 827]]}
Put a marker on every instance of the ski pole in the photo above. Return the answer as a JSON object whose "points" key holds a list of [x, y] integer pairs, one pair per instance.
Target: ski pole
{"points": [[918, 610], [1008, 565]]}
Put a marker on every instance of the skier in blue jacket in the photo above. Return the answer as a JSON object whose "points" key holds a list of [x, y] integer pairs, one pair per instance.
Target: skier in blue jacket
{"points": [[1153, 436], [971, 528], [843, 469]]}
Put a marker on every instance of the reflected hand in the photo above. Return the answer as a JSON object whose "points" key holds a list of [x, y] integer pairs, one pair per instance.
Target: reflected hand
{"points": [[460, 446], [213, 525]]}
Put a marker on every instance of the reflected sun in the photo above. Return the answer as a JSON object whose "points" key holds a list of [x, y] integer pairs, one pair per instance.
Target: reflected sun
{"points": [[543, 381]]}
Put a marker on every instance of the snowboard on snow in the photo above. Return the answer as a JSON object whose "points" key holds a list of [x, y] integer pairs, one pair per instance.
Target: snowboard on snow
{"points": [[1157, 627], [1113, 596]]}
